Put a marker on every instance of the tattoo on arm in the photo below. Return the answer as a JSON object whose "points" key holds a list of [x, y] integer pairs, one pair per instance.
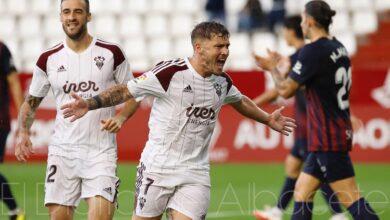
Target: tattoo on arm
{"points": [[27, 112], [110, 97]]}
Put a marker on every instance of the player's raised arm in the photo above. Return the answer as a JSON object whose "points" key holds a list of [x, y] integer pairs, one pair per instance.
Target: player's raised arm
{"points": [[275, 120], [278, 66], [110, 97]]}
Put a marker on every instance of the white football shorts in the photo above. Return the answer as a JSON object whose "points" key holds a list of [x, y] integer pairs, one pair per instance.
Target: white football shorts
{"points": [[68, 180], [186, 192]]}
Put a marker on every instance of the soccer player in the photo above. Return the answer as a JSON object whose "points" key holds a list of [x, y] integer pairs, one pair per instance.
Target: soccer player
{"points": [[324, 68], [292, 33], [81, 159], [173, 173], [9, 80]]}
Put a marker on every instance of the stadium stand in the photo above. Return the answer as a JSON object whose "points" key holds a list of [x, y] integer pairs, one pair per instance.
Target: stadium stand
{"points": [[8, 26], [376, 52], [140, 26]]}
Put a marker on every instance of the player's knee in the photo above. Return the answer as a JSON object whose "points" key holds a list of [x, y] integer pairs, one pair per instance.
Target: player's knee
{"points": [[347, 191], [60, 212], [302, 194], [100, 208], [347, 198]]}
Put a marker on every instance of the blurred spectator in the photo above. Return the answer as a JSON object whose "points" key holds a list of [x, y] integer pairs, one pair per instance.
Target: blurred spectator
{"points": [[216, 11], [277, 14], [9, 82], [251, 16]]}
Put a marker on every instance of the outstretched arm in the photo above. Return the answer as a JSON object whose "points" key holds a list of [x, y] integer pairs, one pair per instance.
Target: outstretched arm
{"points": [[26, 117], [266, 97], [275, 120], [110, 97]]}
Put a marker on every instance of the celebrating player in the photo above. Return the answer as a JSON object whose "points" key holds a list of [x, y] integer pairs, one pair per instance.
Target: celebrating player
{"points": [[173, 173]]}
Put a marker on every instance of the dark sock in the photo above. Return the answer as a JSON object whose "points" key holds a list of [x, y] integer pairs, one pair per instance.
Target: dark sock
{"points": [[6, 194], [331, 199], [302, 211], [361, 210], [287, 193]]}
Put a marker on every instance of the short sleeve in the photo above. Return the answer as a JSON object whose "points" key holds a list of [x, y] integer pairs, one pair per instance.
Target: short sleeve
{"points": [[234, 95], [40, 84], [122, 72], [145, 85], [306, 65]]}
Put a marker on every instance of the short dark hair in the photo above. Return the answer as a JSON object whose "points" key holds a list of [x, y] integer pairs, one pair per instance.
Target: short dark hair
{"points": [[205, 30], [294, 23], [86, 4], [321, 12]]}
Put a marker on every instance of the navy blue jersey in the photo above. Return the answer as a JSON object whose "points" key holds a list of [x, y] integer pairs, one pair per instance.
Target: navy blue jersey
{"points": [[325, 69], [300, 133], [6, 67]]}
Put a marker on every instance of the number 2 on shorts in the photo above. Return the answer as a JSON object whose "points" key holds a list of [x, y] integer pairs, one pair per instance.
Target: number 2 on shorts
{"points": [[52, 170]]}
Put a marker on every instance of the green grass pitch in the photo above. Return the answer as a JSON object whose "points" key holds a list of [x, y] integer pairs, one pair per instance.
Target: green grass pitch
{"points": [[236, 190]]}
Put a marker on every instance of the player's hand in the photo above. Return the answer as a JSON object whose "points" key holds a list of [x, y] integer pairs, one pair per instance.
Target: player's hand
{"points": [[76, 109], [267, 62], [272, 61], [112, 125], [281, 123], [23, 148], [264, 62]]}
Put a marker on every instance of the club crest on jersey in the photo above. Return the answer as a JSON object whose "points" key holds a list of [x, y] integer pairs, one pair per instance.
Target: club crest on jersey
{"points": [[218, 89], [99, 60]]}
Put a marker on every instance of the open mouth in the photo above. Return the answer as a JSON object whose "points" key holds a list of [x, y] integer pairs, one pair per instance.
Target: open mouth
{"points": [[221, 62], [72, 25]]}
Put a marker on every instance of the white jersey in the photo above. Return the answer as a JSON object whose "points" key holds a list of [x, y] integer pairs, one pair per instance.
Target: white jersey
{"points": [[183, 115], [62, 71]]}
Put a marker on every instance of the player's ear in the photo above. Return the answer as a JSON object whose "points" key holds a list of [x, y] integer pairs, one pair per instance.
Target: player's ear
{"points": [[310, 21], [197, 47]]}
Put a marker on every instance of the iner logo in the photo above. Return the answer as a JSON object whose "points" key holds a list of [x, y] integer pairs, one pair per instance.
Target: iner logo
{"points": [[198, 112], [81, 87]]}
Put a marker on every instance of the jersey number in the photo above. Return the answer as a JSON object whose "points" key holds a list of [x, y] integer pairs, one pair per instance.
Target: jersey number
{"points": [[150, 182], [343, 77], [53, 170]]}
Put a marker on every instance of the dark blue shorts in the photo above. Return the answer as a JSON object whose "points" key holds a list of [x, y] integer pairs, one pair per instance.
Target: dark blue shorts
{"points": [[329, 166], [299, 150]]}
